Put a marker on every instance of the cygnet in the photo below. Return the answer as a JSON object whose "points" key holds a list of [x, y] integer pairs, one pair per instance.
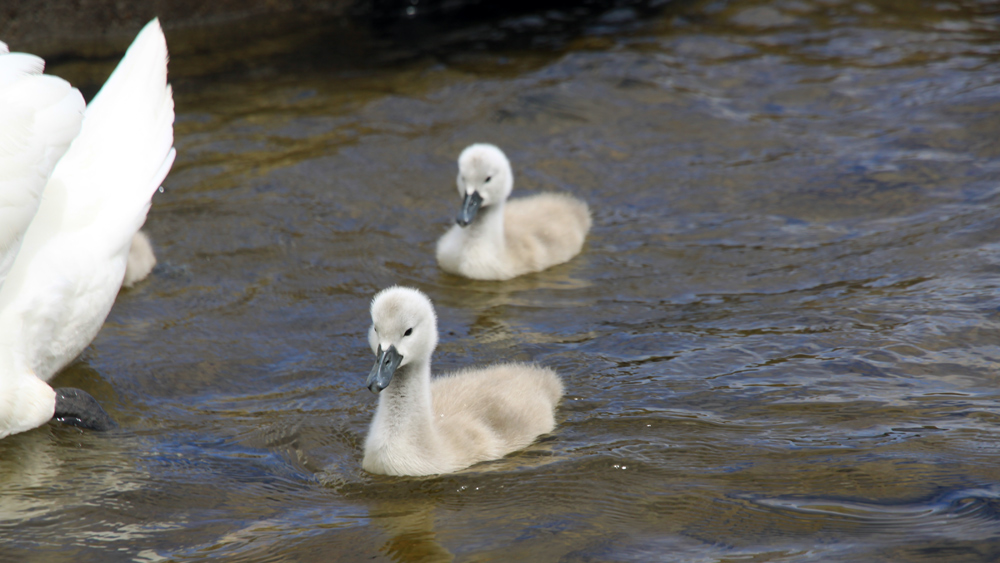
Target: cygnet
{"points": [[426, 426], [496, 239]]}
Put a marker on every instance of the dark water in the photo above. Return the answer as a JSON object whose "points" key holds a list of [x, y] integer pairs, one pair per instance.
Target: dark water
{"points": [[779, 344]]}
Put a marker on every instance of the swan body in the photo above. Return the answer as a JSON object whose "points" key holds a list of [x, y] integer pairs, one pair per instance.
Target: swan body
{"points": [[72, 257], [426, 427], [496, 239]]}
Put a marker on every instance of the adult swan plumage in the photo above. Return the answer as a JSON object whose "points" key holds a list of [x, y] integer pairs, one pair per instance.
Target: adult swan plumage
{"points": [[496, 239], [426, 427], [78, 209]]}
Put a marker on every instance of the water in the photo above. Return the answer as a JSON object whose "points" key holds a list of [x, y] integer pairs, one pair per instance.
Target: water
{"points": [[779, 344]]}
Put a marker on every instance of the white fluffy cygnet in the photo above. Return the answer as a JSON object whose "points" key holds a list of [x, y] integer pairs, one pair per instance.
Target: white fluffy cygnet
{"points": [[496, 239], [141, 260], [98, 170], [425, 426]]}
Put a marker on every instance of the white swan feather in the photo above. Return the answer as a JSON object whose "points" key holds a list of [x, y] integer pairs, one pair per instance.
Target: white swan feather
{"points": [[39, 116]]}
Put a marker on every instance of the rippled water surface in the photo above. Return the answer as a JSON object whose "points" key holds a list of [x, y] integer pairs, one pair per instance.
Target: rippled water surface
{"points": [[779, 344]]}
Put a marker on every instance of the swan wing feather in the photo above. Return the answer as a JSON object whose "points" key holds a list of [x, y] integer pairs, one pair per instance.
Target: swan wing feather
{"points": [[39, 117], [72, 260]]}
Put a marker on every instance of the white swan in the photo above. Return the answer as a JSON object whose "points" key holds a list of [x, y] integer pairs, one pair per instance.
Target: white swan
{"points": [[425, 427], [497, 240], [71, 261]]}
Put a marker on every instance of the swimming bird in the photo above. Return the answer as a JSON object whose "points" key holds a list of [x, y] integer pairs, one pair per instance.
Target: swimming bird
{"points": [[141, 260], [494, 239], [72, 257], [424, 426]]}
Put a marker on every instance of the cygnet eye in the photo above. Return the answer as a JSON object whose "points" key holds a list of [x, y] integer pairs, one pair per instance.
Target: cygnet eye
{"points": [[408, 332], [487, 179]]}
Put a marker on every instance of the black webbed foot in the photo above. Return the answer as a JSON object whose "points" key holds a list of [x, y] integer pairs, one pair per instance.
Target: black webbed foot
{"points": [[77, 408]]}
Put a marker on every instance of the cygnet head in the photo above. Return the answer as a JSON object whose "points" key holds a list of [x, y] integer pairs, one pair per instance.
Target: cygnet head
{"points": [[484, 179], [403, 331]]}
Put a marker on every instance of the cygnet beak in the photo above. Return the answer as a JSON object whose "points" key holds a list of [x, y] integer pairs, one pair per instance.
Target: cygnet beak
{"points": [[470, 206], [386, 363]]}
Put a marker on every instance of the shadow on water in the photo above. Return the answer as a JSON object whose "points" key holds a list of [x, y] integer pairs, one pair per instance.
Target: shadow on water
{"points": [[779, 343], [385, 34]]}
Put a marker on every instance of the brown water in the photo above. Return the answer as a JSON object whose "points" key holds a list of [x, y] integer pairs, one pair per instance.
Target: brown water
{"points": [[779, 344]]}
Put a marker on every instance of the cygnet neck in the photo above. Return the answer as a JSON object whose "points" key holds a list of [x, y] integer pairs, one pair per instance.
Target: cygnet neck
{"points": [[405, 405], [488, 225]]}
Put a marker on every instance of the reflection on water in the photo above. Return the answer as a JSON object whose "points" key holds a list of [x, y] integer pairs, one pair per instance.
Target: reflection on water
{"points": [[779, 343]]}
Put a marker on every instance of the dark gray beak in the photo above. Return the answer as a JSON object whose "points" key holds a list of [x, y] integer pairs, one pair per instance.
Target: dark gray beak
{"points": [[386, 363], [470, 206]]}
